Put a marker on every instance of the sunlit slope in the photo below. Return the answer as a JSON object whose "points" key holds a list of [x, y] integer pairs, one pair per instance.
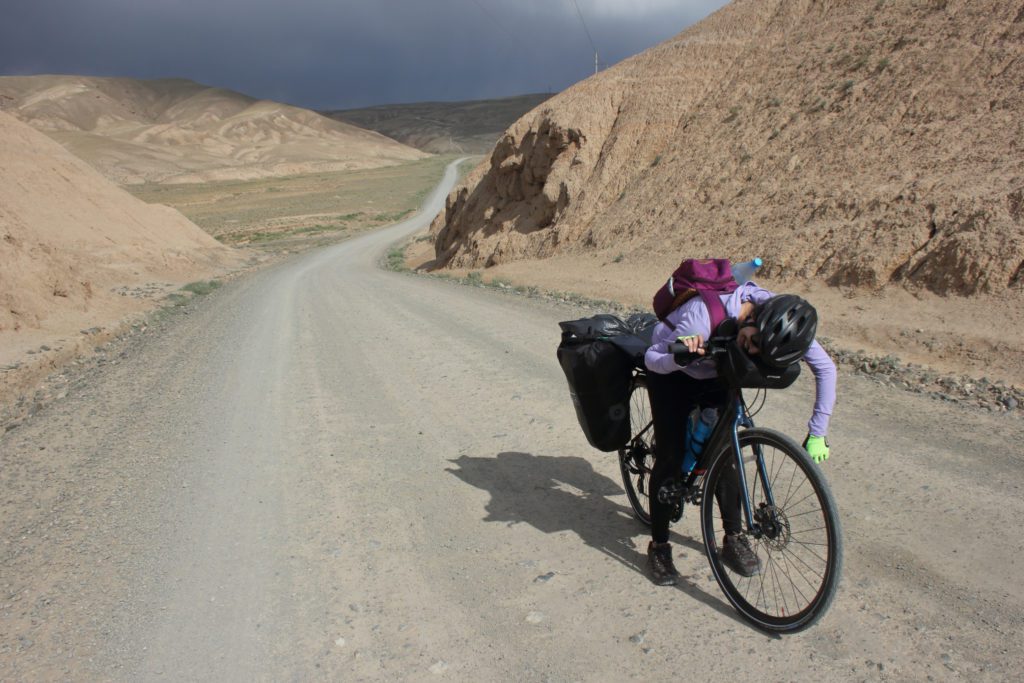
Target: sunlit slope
{"points": [[174, 130], [859, 143]]}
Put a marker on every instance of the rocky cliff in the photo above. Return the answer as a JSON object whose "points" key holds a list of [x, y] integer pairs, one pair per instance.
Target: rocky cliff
{"points": [[864, 142]]}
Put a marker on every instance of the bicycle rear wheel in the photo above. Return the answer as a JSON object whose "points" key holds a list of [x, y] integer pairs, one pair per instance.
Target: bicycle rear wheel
{"points": [[636, 460], [797, 540]]}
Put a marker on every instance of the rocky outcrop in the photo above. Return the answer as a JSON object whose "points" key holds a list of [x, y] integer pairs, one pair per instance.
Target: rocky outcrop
{"points": [[861, 143]]}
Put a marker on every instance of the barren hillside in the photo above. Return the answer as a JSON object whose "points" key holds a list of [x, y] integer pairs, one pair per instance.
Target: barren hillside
{"points": [[444, 127], [73, 245], [865, 143], [178, 131]]}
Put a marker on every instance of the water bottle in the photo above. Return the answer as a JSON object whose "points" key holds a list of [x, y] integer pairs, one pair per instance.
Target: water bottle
{"points": [[697, 435], [742, 272]]}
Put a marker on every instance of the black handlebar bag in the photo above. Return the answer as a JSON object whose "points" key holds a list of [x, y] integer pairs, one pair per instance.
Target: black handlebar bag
{"points": [[745, 372], [599, 373]]}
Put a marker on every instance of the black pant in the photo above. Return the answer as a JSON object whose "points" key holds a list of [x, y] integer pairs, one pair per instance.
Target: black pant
{"points": [[673, 396]]}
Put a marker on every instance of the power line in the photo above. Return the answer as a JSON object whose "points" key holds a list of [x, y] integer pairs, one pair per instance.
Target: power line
{"points": [[490, 15], [587, 31]]}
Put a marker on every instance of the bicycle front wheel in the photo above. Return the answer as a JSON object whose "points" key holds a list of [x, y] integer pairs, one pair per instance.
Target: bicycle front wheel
{"points": [[795, 534], [636, 460]]}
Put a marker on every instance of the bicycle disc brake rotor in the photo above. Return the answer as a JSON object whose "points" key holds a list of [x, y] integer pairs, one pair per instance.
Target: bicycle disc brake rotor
{"points": [[774, 525]]}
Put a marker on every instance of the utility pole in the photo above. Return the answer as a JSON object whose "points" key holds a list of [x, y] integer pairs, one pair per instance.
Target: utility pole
{"points": [[595, 62]]}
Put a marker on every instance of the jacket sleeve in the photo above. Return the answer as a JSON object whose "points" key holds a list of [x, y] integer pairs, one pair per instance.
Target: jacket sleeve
{"points": [[825, 388], [685, 321]]}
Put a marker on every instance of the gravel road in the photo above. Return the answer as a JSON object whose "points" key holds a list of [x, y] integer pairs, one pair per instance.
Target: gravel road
{"points": [[328, 471]]}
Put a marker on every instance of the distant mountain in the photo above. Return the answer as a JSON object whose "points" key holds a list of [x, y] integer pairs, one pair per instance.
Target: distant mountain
{"points": [[443, 127], [175, 131], [862, 143]]}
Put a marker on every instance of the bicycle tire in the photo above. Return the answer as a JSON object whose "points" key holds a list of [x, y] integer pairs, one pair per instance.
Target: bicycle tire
{"points": [[636, 460], [807, 503]]}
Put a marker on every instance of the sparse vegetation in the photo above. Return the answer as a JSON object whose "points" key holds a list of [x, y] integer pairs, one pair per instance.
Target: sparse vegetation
{"points": [[883, 64], [177, 299], [618, 259], [656, 161], [201, 287], [734, 113], [774, 134], [310, 208], [392, 217], [396, 259], [818, 105], [846, 87]]}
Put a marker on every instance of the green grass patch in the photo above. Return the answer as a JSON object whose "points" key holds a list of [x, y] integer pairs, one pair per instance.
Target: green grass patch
{"points": [[201, 287], [395, 259], [392, 217]]}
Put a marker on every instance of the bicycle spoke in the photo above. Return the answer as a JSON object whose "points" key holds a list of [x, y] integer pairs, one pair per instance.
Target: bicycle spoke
{"points": [[792, 491], [796, 589], [778, 583], [816, 511], [814, 586], [812, 494], [809, 567]]}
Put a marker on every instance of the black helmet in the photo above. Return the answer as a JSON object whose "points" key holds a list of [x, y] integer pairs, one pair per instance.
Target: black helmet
{"points": [[786, 325]]}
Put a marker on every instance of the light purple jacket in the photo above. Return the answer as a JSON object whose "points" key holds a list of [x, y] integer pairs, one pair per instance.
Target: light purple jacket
{"points": [[692, 318]]}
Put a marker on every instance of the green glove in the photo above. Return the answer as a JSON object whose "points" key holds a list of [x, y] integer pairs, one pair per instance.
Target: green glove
{"points": [[817, 447]]}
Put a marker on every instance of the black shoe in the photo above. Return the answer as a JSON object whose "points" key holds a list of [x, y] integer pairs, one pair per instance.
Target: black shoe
{"points": [[738, 556], [659, 561]]}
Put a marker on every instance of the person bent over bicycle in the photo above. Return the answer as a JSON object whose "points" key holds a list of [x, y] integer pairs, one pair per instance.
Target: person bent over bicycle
{"points": [[781, 329]]}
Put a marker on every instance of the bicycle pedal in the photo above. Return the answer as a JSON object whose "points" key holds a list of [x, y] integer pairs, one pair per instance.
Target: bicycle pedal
{"points": [[670, 492], [677, 513]]}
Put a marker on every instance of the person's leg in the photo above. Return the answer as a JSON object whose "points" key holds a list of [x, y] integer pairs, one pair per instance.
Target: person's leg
{"points": [[728, 495], [671, 401], [736, 551]]}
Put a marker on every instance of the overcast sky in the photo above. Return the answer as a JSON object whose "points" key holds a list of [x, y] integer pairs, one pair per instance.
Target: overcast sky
{"points": [[327, 54]]}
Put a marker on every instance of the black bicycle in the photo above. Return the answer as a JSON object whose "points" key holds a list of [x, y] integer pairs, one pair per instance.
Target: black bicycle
{"points": [[789, 514]]}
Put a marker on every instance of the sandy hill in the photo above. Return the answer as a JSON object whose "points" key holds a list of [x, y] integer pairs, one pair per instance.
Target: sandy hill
{"points": [[176, 131], [866, 143], [443, 127], [69, 238]]}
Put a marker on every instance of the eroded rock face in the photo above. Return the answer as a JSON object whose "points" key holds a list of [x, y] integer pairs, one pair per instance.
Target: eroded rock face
{"points": [[860, 143], [525, 190]]}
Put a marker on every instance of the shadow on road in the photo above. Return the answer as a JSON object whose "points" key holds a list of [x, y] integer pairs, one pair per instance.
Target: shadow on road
{"points": [[555, 494]]}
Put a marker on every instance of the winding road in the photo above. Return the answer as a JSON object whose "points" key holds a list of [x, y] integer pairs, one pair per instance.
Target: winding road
{"points": [[329, 471]]}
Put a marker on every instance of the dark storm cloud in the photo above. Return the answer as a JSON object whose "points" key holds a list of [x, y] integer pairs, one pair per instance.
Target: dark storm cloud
{"points": [[339, 53]]}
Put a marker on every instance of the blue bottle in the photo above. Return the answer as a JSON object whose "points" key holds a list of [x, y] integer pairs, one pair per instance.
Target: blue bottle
{"points": [[743, 272], [697, 435]]}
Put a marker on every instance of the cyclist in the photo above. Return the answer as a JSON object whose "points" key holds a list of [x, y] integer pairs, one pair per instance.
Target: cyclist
{"points": [[781, 328]]}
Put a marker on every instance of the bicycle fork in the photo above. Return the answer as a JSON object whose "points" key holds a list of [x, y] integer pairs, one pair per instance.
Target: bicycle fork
{"points": [[740, 419]]}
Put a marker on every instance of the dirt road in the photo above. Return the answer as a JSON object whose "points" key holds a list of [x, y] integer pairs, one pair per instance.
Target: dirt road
{"points": [[327, 471]]}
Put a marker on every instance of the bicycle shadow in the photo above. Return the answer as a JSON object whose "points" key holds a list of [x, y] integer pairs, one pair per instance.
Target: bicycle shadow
{"points": [[564, 493]]}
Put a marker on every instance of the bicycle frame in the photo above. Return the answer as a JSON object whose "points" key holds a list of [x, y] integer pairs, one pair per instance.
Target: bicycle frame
{"points": [[734, 416]]}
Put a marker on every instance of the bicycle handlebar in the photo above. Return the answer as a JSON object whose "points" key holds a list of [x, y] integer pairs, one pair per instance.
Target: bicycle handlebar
{"points": [[712, 347], [682, 354]]}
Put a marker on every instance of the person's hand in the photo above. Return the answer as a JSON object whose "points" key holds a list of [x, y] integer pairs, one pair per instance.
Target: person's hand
{"points": [[816, 447], [694, 343]]}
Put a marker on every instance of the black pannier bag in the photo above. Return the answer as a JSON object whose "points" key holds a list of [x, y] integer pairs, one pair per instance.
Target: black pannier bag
{"points": [[599, 372]]}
